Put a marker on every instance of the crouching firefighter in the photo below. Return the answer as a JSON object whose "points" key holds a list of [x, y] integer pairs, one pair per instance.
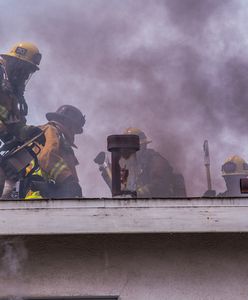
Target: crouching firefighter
{"points": [[16, 68], [57, 175], [155, 175]]}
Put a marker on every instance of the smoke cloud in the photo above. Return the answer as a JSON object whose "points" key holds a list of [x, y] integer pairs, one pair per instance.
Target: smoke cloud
{"points": [[176, 69], [13, 257]]}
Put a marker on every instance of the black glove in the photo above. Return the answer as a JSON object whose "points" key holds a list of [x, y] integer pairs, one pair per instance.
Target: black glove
{"points": [[69, 188], [100, 158], [30, 132]]}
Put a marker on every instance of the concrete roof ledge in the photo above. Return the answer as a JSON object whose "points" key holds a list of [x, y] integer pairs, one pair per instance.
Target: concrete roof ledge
{"points": [[122, 215]]}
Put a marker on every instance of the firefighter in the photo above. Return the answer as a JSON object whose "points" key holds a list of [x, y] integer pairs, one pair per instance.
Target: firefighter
{"points": [[155, 175], [57, 175], [233, 169], [16, 68]]}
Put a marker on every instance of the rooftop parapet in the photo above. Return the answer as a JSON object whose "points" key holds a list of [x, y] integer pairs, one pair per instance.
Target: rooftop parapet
{"points": [[107, 216]]}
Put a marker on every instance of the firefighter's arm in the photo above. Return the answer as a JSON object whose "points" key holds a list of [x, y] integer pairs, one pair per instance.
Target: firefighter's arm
{"points": [[104, 167], [49, 158]]}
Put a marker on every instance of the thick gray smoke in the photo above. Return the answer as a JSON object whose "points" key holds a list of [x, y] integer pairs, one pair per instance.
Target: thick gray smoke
{"points": [[176, 69], [13, 257]]}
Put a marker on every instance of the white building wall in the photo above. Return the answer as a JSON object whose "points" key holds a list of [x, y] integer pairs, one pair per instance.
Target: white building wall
{"points": [[205, 266]]}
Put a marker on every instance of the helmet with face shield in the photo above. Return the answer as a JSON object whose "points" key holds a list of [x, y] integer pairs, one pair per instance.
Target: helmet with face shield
{"points": [[235, 165], [21, 62]]}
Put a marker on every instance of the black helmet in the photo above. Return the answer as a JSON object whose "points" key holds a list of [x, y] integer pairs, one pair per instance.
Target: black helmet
{"points": [[68, 115]]}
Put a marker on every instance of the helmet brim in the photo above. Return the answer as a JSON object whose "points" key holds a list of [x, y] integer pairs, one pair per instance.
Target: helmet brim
{"points": [[53, 116], [234, 174]]}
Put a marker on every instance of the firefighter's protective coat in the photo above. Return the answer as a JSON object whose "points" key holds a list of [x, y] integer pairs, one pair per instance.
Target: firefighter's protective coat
{"points": [[57, 159]]}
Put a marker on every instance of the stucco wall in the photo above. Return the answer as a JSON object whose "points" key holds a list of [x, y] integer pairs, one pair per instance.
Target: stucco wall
{"points": [[136, 267]]}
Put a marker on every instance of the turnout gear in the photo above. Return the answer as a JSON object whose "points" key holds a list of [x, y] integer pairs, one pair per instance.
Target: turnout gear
{"points": [[33, 195], [57, 175], [39, 188], [156, 178], [56, 158], [69, 116], [15, 157], [16, 68], [69, 188]]}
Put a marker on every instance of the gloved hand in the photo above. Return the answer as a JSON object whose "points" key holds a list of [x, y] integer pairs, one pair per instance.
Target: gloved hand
{"points": [[69, 188], [100, 158], [29, 132], [209, 193]]}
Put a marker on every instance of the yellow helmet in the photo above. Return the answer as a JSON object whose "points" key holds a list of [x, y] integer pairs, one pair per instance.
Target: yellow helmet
{"points": [[140, 133], [27, 52], [234, 165]]}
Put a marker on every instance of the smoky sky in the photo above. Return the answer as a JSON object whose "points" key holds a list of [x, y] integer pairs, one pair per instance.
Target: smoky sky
{"points": [[177, 69], [191, 16]]}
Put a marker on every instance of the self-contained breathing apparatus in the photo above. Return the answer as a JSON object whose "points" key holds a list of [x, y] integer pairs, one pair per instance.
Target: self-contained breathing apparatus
{"points": [[15, 156]]}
